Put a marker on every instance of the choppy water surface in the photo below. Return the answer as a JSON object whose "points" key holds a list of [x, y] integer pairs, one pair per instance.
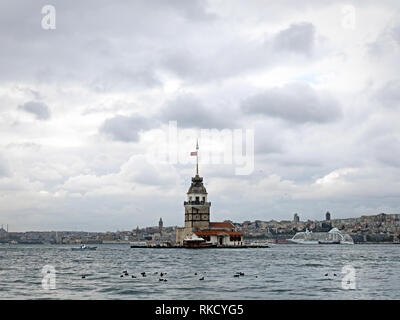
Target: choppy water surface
{"points": [[280, 272]]}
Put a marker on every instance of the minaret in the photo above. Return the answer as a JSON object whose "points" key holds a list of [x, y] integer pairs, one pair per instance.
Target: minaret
{"points": [[197, 209]]}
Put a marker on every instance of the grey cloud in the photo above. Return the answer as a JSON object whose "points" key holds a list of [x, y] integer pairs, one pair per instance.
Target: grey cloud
{"points": [[266, 140], [202, 64], [92, 35], [299, 38], [380, 141], [192, 10], [385, 43], [295, 102], [125, 78], [262, 145], [389, 94], [189, 111], [4, 168], [396, 34], [124, 128], [387, 150], [39, 109], [240, 55], [112, 52]]}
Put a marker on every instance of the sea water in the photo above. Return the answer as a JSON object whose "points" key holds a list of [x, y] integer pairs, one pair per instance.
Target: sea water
{"points": [[279, 272]]}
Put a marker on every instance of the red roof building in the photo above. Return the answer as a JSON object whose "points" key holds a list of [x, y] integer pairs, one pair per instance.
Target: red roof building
{"points": [[218, 225]]}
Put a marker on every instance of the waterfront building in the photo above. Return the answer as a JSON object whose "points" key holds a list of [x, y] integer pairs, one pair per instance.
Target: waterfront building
{"points": [[197, 217]]}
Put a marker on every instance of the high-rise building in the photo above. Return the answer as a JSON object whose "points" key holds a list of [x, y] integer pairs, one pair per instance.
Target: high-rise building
{"points": [[296, 218]]}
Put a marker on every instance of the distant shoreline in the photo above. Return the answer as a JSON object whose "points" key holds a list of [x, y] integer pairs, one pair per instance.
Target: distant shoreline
{"points": [[128, 244]]}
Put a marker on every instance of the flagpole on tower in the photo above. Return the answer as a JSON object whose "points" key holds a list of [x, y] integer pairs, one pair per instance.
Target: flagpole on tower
{"points": [[197, 157]]}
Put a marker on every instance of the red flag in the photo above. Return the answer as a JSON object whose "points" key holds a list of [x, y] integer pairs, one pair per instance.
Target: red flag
{"points": [[193, 153]]}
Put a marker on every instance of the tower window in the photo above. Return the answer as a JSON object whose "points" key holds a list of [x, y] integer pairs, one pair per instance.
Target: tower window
{"points": [[197, 199]]}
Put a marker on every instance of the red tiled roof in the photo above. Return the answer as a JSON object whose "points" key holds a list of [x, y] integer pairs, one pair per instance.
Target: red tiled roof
{"points": [[221, 224], [217, 232]]}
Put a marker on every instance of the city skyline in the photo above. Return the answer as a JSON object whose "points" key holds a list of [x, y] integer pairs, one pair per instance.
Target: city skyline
{"points": [[295, 219], [378, 229], [85, 106]]}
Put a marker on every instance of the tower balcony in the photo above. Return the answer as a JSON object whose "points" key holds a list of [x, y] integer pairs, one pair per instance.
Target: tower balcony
{"points": [[197, 203]]}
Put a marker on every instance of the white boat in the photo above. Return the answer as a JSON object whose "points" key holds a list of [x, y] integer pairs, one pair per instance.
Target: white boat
{"points": [[334, 236], [83, 247], [139, 244], [194, 241]]}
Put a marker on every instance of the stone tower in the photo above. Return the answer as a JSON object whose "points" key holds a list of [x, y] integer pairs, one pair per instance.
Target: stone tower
{"points": [[197, 209], [160, 225], [327, 216]]}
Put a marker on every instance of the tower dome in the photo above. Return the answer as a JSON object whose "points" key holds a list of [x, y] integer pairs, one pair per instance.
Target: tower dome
{"points": [[197, 186]]}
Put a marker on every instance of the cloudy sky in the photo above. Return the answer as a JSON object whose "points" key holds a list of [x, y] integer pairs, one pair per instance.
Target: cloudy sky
{"points": [[84, 106]]}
